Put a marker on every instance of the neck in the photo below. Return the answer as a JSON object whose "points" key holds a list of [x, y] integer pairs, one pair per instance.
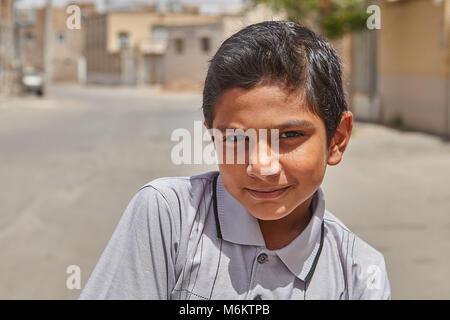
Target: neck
{"points": [[279, 233]]}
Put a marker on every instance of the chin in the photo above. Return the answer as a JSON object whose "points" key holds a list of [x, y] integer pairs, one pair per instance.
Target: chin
{"points": [[269, 212]]}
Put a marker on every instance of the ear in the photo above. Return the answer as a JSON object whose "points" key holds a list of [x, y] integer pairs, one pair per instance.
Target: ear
{"points": [[340, 139]]}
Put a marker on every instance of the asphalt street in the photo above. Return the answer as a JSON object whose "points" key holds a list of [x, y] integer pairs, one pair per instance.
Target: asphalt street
{"points": [[71, 162]]}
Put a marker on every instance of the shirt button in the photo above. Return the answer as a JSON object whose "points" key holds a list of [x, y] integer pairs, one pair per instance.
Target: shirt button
{"points": [[257, 297], [262, 258]]}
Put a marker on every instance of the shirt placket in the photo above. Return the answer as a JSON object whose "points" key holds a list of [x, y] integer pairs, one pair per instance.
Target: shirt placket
{"points": [[262, 260]]}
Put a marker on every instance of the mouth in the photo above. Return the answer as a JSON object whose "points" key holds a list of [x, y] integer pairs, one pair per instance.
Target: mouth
{"points": [[269, 193]]}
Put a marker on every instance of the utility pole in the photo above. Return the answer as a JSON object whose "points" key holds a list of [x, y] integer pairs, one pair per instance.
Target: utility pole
{"points": [[2, 58], [2, 53], [48, 41], [106, 5], [8, 79], [163, 6], [447, 45]]}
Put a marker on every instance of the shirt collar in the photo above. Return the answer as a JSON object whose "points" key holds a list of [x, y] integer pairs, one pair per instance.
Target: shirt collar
{"points": [[236, 223], [238, 226]]}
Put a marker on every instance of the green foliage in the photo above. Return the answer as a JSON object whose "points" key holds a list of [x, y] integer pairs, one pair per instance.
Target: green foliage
{"points": [[334, 18], [396, 121]]}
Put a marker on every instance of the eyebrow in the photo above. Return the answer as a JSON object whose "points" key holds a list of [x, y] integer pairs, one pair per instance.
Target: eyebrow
{"points": [[296, 123], [286, 125]]}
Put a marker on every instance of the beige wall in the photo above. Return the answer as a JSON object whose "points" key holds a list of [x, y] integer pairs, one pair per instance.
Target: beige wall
{"points": [[412, 37], [102, 67], [259, 13], [343, 47], [107, 64], [6, 10], [192, 63], [413, 64], [33, 42], [138, 25], [65, 52]]}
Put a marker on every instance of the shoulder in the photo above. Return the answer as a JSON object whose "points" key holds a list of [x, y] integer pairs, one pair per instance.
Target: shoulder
{"points": [[367, 276], [172, 199], [174, 207], [369, 273], [173, 188], [182, 201], [357, 248], [338, 235], [336, 226]]}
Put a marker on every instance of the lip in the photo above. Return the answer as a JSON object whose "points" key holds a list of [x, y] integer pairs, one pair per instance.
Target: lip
{"points": [[269, 193]]}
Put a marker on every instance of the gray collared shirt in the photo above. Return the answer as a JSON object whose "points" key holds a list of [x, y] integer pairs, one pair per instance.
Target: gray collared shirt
{"points": [[188, 238]]}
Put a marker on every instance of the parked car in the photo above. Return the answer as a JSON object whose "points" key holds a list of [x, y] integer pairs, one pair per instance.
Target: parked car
{"points": [[33, 81]]}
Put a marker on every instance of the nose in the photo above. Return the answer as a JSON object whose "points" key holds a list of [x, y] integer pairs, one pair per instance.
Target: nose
{"points": [[263, 159]]}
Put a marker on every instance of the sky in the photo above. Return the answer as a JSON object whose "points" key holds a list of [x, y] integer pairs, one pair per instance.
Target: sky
{"points": [[205, 5]]}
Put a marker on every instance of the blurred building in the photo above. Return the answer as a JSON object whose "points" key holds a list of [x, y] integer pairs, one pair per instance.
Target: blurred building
{"points": [[67, 45], [414, 64], [128, 47], [9, 65], [195, 44], [401, 73], [155, 46]]}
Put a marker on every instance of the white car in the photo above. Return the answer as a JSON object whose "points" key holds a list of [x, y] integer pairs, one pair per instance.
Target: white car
{"points": [[33, 81]]}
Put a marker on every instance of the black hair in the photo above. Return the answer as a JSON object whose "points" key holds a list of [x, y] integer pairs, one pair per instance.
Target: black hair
{"points": [[283, 53]]}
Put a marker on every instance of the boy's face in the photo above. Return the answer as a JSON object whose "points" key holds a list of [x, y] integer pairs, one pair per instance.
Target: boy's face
{"points": [[302, 150]]}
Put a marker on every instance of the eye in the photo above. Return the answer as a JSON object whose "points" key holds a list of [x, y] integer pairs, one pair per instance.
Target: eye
{"points": [[291, 134]]}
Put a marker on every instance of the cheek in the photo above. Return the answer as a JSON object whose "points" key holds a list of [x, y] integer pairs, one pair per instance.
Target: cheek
{"points": [[307, 161], [233, 170], [230, 174]]}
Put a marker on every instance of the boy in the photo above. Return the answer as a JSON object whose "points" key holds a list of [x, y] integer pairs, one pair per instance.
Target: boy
{"points": [[257, 230]]}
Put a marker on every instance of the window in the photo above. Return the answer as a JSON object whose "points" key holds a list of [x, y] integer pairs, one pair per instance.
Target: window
{"points": [[85, 12], [61, 36], [159, 33], [123, 40], [29, 35], [179, 46], [205, 44]]}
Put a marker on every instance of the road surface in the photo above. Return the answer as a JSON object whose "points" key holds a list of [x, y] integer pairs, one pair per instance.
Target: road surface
{"points": [[72, 161]]}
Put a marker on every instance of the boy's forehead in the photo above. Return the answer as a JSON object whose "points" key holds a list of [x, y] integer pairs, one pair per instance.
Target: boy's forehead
{"points": [[262, 107]]}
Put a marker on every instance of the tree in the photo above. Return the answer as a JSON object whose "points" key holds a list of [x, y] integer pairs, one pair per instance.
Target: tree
{"points": [[332, 18]]}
